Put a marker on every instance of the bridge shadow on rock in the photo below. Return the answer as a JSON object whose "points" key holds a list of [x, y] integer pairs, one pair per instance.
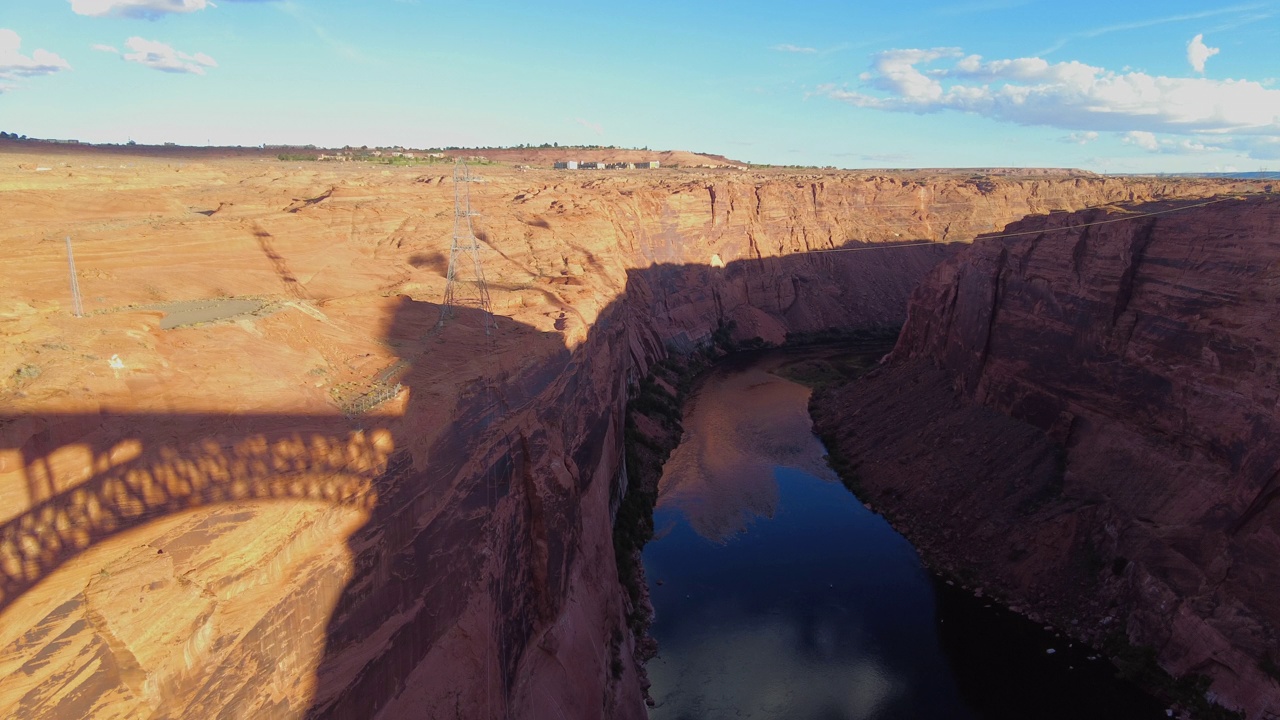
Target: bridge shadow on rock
{"points": [[410, 554], [80, 482], [212, 459]]}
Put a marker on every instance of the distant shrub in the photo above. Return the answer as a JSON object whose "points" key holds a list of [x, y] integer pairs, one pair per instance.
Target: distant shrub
{"points": [[26, 372]]}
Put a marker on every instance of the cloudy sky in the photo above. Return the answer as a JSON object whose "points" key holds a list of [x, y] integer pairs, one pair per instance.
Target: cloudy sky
{"points": [[1107, 86]]}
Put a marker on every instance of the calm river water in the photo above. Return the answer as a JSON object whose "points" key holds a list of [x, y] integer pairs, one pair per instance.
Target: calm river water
{"points": [[778, 595]]}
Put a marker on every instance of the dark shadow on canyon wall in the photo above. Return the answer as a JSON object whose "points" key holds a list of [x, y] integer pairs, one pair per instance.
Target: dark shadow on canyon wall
{"points": [[431, 533]]}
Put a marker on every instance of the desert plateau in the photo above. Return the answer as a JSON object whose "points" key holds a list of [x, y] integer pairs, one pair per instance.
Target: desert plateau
{"points": [[407, 360], [257, 476]]}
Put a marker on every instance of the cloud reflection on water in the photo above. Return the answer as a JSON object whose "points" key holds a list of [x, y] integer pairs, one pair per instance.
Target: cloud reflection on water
{"points": [[777, 594], [741, 427], [766, 671]]}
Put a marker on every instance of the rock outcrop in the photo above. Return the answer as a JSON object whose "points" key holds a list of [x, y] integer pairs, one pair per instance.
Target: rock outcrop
{"points": [[354, 511], [1085, 414]]}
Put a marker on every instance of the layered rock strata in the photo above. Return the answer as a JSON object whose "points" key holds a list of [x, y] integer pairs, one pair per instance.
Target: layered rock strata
{"points": [[1085, 416], [327, 505]]}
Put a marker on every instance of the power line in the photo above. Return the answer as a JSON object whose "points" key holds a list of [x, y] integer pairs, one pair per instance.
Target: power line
{"points": [[904, 224], [76, 304], [1139, 216], [881, 246], [1041, 231]]}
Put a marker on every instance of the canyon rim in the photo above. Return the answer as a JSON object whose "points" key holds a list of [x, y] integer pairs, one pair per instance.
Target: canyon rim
{"points": [[319, 503]]}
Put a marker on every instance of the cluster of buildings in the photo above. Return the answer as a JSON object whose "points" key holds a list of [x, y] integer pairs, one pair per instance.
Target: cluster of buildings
{"points": [[575, 165], [347, 155]]}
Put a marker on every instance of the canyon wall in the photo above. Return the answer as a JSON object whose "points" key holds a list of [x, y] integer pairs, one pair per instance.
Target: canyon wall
{"points": [[334, 506], [1084, 416]]}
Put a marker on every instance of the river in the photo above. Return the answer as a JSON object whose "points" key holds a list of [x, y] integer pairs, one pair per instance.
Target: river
{"points": [[777, 594]]}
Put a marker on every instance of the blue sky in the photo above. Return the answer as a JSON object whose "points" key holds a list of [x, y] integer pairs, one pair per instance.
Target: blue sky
{"points": [[1105, 86]]}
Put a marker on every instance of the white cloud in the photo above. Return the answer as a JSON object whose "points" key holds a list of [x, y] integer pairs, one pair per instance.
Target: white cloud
{"points": [[1069, 95], [1143, 139], [1258, 147], [1169, 146], [1081, 138], [159, 56], [104, 48], [14, 65], [596, 128], [1184, 145], [1198, 52], [136, 8], [895, 72], [789, 48]]}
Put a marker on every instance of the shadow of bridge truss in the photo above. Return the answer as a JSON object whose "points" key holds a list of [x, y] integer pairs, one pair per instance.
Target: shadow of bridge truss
{"points": [[89, 476]]}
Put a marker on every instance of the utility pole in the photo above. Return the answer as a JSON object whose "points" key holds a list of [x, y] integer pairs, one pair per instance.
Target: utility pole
{"points": [[464, 242], [76, 304]]}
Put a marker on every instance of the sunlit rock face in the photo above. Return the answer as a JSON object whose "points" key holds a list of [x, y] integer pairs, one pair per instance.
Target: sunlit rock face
{"points": [[1090, 417], [184, 614], [360, 512]]}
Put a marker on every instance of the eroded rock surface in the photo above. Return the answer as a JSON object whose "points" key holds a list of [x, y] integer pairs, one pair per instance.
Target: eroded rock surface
{"points": [[1087, 416], [372, 514]]}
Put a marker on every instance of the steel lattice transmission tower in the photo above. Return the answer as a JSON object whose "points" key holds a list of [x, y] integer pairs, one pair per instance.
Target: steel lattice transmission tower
{"points": [[464, 243]]}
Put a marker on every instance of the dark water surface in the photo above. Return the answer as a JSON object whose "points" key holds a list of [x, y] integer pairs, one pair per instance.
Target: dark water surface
{"points": [[778, 595]]}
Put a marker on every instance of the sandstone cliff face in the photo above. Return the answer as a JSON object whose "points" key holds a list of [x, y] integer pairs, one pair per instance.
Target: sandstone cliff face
{"points": [[1089, 414], [443, 548]]}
